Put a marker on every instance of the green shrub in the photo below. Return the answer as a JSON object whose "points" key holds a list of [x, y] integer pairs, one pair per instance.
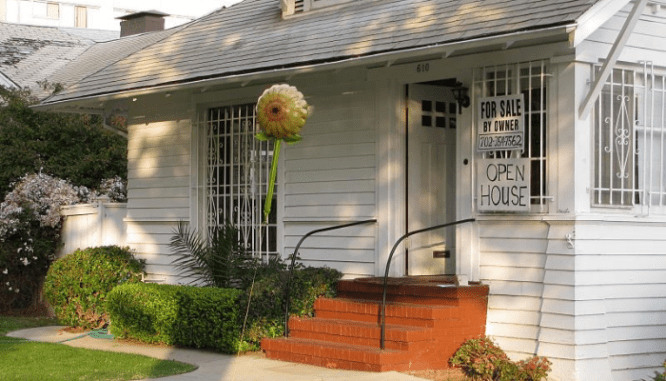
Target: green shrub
{"points": [[200, 317], [482, 360], [77, 285], [265, 317], [223, 261]]}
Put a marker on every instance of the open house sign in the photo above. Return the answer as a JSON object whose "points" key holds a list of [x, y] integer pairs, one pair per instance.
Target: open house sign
{"points": [[503, 185]]}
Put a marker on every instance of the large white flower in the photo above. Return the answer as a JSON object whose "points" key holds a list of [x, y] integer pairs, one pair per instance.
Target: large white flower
{"points": [[282, 111]]}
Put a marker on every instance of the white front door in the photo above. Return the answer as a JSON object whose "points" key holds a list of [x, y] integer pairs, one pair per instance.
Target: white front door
{"points": [[431, 179]]}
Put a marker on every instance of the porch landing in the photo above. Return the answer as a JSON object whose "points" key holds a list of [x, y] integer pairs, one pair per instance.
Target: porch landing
{"points": [[427, 319]]}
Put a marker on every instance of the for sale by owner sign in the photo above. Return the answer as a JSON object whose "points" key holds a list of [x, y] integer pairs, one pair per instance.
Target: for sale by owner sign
{"points": [[503, 185], [501, 123]]}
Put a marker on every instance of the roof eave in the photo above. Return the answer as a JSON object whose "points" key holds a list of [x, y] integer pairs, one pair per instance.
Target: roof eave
{"points": [[78, 105]]}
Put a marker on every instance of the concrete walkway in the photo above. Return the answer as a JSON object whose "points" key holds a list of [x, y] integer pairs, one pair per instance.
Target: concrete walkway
{"points": [[212, 366]]}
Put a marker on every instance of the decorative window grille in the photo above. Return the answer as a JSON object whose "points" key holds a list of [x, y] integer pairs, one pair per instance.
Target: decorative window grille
{"points": [[238, 167], [530, 79], [630, 142]]}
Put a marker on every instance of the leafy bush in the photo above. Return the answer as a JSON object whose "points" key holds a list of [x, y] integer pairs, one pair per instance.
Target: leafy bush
{"points": [[200, 317], [223, 262], [482, 360], [78, 284], [265, 316], [30, 225]]}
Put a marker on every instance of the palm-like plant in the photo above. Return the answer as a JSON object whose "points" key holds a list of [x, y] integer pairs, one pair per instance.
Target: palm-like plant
{"points": [[220, 261]]}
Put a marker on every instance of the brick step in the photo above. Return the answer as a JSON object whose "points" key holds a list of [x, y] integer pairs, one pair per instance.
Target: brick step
{"points": [[428, 318], [424, 293], [398, 337], [396, 313], [336, 355]]}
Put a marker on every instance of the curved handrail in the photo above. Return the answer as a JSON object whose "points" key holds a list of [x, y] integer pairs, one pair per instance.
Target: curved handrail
{"points": [[287, 294], [388, 266]]}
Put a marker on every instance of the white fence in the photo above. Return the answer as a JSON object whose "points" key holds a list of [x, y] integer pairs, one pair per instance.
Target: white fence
{"points": [[90, 225]]}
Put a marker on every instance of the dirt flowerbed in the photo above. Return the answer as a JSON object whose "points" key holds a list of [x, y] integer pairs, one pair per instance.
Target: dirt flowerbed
{"points": [[439, 375]]}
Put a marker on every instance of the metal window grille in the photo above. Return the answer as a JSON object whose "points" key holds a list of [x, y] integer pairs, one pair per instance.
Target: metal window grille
{"points": [[530, 79], [630, 142], [238, 167]]}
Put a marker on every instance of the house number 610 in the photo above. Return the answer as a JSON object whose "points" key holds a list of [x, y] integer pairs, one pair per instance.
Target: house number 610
{"points": [[423, 68]]}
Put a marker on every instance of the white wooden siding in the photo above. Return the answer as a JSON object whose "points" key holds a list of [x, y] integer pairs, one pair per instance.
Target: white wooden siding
{"points": [[598, 299], [158, 180], [329, 177], [531, 307], [158, 177], [623, 264], [647, 42]]}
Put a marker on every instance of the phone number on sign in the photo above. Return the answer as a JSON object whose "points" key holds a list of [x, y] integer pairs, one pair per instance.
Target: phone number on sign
{"points": [[492, 142]]}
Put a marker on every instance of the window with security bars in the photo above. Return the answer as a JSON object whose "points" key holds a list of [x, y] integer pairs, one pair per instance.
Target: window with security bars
{"points": [[238, 167], [530, 79], [629, 142]]}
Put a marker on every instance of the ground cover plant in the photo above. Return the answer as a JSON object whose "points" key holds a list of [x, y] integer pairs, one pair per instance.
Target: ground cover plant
{"points": [[24, 360]]}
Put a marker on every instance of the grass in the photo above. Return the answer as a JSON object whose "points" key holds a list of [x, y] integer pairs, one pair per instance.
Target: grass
{"points": [[25, 360]]}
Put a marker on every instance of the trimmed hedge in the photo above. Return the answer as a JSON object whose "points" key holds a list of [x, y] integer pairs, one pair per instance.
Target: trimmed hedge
{"points": [[200, 317], [77, 285]]}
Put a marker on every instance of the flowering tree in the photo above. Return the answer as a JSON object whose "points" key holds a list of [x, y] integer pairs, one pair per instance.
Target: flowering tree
{"points": [[69, 146], [30, 225]]}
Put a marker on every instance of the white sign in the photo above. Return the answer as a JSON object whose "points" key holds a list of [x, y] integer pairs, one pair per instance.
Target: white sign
{"points": [[501, 123], [503, 185]]}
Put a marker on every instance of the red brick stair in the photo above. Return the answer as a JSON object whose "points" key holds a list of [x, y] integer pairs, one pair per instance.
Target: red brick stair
{"points": [[427, 318]]}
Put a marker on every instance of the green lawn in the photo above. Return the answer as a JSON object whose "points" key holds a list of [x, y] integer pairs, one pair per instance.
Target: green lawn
{"points": [[25, 360]]}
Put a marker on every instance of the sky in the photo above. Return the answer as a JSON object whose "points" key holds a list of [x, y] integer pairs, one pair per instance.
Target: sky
{"points": [[190, 7]]}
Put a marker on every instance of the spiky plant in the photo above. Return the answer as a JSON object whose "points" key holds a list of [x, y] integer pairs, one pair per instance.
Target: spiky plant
{"points": [[221, 260]]}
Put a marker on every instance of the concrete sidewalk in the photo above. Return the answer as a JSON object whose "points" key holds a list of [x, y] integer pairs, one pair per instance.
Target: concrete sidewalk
{"points": [[211, 366]]}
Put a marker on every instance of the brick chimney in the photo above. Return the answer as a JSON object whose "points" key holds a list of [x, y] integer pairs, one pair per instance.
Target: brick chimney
{"points": [[141, 22]]}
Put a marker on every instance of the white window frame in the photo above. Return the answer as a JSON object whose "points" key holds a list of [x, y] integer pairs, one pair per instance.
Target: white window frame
{"points": [[80, 16], [629, 141], [52, 10], [525, 77]]}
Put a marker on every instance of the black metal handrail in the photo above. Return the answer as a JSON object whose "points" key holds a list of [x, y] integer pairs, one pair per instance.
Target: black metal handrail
{"points": [[287, 294], [388, 266]]}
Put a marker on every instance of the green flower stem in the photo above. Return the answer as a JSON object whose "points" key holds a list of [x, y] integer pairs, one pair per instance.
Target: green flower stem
{"points": [[271, 182]]}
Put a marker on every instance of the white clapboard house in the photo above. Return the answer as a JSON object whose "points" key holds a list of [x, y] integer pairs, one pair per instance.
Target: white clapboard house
{"points": [[545, 121]]}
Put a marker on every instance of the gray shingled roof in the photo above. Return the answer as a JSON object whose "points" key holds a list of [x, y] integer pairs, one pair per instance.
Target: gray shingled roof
{"points": [[34, 53], [103, 54], [252, 37]]}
